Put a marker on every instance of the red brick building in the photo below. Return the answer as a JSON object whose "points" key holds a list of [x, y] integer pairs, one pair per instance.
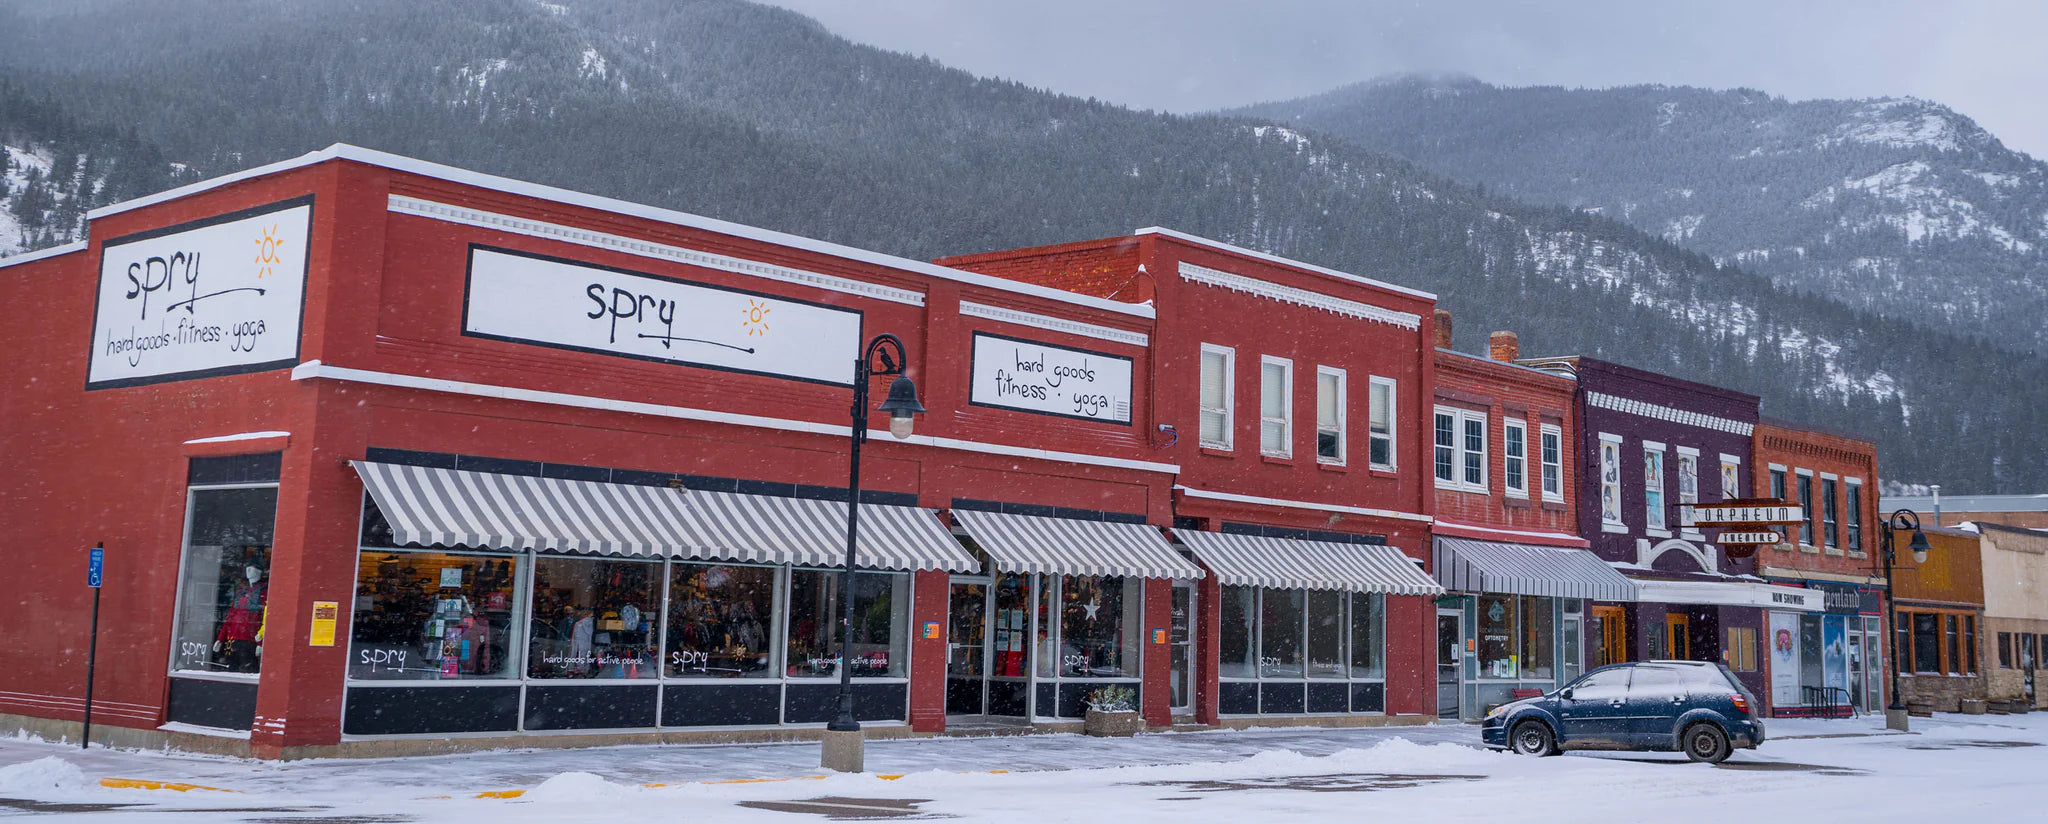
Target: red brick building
{"points": [[1821, 662]]}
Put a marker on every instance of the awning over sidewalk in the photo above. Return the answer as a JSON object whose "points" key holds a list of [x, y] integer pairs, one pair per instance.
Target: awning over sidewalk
{"points": [[1292, 563], [1466, 565], [1730, 594], [448, 507], [808, 532], [1063, 546]]}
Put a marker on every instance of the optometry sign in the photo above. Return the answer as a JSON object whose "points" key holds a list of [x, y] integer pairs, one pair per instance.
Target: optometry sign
{"points": [[1050, 380], [218, 296], [527, 298]]}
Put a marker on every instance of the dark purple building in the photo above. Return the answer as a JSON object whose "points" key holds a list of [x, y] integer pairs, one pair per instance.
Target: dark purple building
{"points": [[1646, 444]]}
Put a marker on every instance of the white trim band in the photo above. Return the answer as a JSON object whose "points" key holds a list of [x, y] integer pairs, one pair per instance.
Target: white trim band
{"points": [[1053, 324], [1281, 502], [1299, 297], [1667, 413], [40, 254], [1272, 258]]}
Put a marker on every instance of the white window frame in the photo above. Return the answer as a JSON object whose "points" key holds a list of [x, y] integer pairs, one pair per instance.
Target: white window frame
{"points": [[1619, 523], [1656, 520], [1229, 396], [1827, 538], [1507, 484], [1460, 419], [1550, 432], [1286, 419], [1686, 527], [1852, 517], [1343, 409], [1436, 449], [1811, 512], [1393, 422], [1734, 461]]}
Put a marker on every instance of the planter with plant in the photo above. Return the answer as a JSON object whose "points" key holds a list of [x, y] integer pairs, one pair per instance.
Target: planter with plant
{"points": [[1112, 711]]}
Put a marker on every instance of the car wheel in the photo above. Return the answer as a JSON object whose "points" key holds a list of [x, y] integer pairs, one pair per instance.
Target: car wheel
{"points": [[1706, 742], [1533, 738]]}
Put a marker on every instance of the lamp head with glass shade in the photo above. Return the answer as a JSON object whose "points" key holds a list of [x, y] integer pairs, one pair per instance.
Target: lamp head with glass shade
{"points": [[1919, 546], [901, 405]]}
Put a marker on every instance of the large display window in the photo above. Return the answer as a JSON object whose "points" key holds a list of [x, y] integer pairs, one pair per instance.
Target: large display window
{"points": [[1294, 635], [1099, 626], [880, 614], [593, 618], [224, 585], [433, 616], [720, 621], [1516, 637]]}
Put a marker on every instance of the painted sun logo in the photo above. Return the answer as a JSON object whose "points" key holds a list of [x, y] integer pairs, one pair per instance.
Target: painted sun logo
{"points": [[266, 251], [756, 315]]}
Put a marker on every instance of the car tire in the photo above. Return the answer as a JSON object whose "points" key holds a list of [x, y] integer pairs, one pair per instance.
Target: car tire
{"points": [[1706, 742], [1532, 738]]}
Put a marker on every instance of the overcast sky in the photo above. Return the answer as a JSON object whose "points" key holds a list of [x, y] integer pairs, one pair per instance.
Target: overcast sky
{"points": [[1985, 59]]}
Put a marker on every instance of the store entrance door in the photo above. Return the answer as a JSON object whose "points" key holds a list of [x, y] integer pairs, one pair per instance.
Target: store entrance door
{"points": [[1450, 663], [967, 649], [1678, 636], [1181, 651], [1609, 633]]}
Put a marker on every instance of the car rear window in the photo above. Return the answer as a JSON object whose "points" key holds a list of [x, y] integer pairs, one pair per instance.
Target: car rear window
{"points": [[1710, 678]]}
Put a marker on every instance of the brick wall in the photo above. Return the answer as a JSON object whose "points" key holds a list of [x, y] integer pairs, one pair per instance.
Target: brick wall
{"points": [[1505, 391], [1105, 268]]}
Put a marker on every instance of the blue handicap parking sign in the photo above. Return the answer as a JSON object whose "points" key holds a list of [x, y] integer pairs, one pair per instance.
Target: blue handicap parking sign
{"points": [[95, 566]]}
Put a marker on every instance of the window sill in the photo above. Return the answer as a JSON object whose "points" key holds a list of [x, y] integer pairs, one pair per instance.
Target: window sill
{"points": [[1555, 506], [1657, 533], [1810, 550], [1282, 460], [1859, 555], [1781, 546], [1612, 527], [1516, 501], [1383, 472], [1835, 552], [1218, 451], [1327, 466], [1692, 536]]}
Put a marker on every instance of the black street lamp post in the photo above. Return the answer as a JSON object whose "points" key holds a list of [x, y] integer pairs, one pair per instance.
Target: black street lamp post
{"points": [[842, 750], [1895, 710]]}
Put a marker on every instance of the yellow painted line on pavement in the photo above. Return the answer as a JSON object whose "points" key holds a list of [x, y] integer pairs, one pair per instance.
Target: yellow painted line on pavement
{"points": [[146, 784]]}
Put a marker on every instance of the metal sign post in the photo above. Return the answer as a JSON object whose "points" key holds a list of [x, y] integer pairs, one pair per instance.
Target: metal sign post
{"points": [[95, 568]]}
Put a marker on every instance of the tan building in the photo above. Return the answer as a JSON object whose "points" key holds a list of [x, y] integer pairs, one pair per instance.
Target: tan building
{"points": [[2015, 612], [1937, 621]]}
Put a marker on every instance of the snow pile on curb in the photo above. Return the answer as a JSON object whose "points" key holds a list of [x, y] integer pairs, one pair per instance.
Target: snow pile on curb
{"points": [[577, 787], [43, 775]]}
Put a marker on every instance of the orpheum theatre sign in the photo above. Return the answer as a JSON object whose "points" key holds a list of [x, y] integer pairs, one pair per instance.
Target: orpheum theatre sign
{"points": [[528, 298], [217, 296]]}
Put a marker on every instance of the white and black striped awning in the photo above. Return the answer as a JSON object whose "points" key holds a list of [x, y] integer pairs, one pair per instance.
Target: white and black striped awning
{"points": [[808, 532], [1064, 546], [1293, 563], [448, 507], [1467, 565]]}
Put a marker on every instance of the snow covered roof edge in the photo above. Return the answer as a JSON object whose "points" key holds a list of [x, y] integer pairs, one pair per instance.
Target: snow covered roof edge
{"points": [[1273, 258]]}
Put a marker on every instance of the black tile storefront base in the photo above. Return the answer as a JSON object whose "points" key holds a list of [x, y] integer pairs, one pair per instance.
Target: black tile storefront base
{"points": [[1238, 698], [1368, 698], [721, 705], [819, 703], [1333, 697], [1281, 698], [418, 710], [228, 705], [591, 708]]}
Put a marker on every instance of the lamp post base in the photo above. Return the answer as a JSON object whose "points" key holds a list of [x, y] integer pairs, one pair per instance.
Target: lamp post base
{"points": [[1895, 719], [843, 751]]}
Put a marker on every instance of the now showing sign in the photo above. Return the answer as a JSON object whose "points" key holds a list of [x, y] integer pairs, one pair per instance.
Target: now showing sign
{"points": [[1013, 373], [528, 298], [217, 296]]}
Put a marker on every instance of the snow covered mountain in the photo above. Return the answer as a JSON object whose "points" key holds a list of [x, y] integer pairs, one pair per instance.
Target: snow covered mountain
{"points": [[1899, 205], [761, 116]]}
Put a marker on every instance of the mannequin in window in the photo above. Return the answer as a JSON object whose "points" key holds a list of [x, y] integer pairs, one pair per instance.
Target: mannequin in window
{"points": [[239, 641]]}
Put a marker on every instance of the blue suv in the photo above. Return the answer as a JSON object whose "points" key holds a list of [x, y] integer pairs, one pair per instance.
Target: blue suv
{"points": [[1697, 707]]}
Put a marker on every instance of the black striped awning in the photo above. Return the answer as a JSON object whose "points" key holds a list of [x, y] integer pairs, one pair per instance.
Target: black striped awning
{"points": [[1467, 565], [448, 507], [809, 532], [1293, 563], [1064, 546]]}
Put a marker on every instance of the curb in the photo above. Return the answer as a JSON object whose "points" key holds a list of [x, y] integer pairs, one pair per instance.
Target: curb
{"points": [[506, 794]]}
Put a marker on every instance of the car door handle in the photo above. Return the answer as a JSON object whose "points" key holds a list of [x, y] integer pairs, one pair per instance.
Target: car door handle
{"points": [[1614, 703]]}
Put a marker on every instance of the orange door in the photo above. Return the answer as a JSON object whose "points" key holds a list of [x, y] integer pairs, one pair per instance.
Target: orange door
{"points": [[1678, 632], [1610, 636]]}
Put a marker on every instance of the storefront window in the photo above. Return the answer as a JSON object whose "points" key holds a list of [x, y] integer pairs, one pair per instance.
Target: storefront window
{"points": [[225, 582], [1368, 635], [593, 618], [1098, 625], [432, 616], [880, 611], [1539, 638], [720, 621], [1497, 636], [1048, 654], [1926, 641], [1326, 631], [1239, 634], [1280, 633]]}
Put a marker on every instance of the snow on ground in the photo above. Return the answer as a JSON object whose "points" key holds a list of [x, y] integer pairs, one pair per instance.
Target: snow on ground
{"points": [[1986, 768]]}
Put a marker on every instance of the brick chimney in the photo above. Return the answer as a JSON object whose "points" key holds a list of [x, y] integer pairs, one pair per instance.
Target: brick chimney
{"points": [[1443, 328], [1506, 346]]}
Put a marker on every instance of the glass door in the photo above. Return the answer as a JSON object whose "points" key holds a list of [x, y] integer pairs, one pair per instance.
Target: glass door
{"points": [[1181, 650], [1610, 637], [1679, 635], [1450, 663], [1009, 657], [967, 648]]}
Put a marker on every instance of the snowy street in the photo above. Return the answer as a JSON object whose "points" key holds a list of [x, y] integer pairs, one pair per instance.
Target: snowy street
{"points": [[1811, 770]]}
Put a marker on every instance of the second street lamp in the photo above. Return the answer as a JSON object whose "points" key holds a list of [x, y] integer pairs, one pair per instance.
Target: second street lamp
{"points": [[843, 747], [1895, 710]]}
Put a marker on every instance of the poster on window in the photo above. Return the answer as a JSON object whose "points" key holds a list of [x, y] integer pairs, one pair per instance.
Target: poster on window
{"points": [[1050, 380], [1834, 653], [1785, 659], [526, 298], [217, 296]]}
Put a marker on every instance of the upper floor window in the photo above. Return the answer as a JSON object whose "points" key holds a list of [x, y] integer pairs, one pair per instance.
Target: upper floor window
{"points": [[1778, 483], [1831, 517], [1552, 454], [1382, 425], [1218, 364], [1330, 391], [1688, 486], [1460, 449], [1653, 486], [1276, 406], [1855, 502], [1610, 479], [1806, 527], [1514, 451], [1731, 477]]}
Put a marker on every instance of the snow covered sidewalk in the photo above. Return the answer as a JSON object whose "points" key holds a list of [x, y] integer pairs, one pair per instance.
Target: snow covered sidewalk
{"points": [[1811, 770]]}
